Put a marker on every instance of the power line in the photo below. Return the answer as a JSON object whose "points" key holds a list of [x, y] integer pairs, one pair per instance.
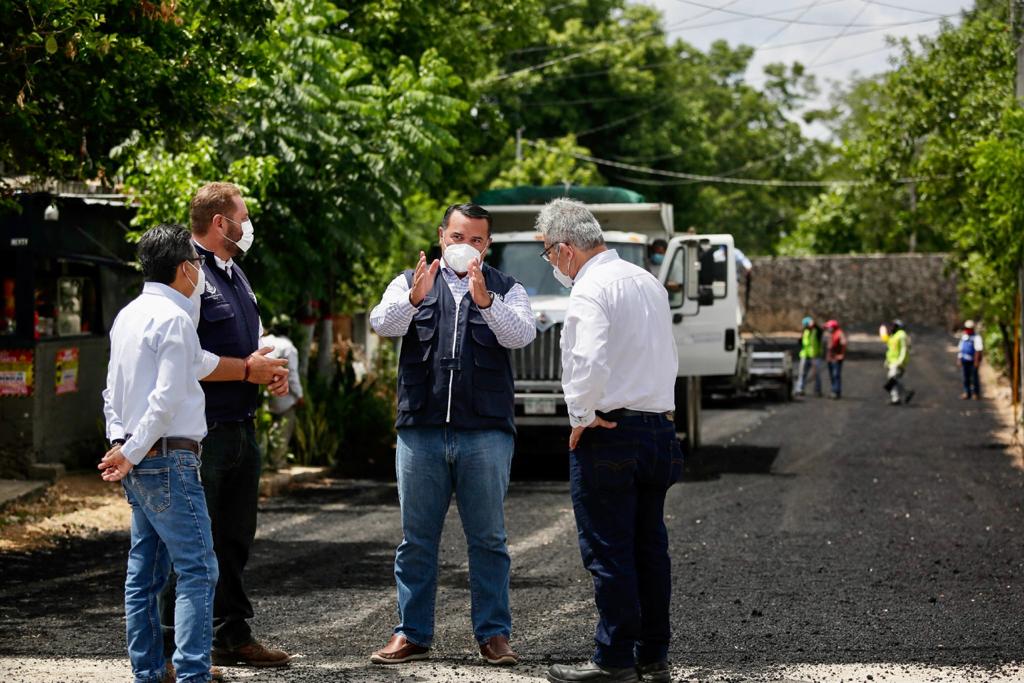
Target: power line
{"points": [[850, 58], [821, 53], [731, 172], [850, 35], [764, 182], [800, 21], [806, 9], [618, 122], [905, 9]]}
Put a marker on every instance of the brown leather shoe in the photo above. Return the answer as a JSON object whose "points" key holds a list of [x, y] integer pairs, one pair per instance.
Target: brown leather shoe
{"points": [[216, 673], [250, 654], [399, 650], [496, 651]]}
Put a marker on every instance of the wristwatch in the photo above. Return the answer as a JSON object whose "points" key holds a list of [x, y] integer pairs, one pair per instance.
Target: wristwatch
{"points": [[116, 442], [492, 299]]}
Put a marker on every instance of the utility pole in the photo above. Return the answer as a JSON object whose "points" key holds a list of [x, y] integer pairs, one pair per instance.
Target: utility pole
{"points": [[1016, 15], [519, 143]]}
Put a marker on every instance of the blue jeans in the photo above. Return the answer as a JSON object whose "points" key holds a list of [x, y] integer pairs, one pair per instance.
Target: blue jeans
{"points": [[432, 463], [618, 479], [169, 524], [807, 367], [972, 383], [835, 372]]}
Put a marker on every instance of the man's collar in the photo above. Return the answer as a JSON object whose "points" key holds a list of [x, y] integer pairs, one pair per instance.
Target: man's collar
{"points": [[448, 271], [168, 292], [602, 257], [223, 265]]}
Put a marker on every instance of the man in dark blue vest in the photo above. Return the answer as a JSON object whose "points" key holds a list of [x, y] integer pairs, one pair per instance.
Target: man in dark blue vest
{"points": [[455, 427], [229, 327]]}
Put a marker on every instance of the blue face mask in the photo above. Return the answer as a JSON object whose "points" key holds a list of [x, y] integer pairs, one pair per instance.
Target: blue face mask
{"points": [[657, 259]]}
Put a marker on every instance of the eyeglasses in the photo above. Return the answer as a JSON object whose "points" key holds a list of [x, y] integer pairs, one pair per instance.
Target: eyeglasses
{"points": [[546, 253], [201, 260]]}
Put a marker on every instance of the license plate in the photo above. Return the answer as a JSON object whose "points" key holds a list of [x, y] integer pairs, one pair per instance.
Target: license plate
{"points": [[539, 406]]}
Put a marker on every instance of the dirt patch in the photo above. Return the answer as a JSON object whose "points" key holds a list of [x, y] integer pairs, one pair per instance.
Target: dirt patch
{"points": [[996, 388], [79, 505]]}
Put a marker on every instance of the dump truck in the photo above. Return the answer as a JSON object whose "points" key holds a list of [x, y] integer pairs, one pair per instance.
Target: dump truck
{"points": [[699, 274]]}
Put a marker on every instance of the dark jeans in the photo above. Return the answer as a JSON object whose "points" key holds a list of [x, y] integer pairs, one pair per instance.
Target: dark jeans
{"points": [[835, 372], [618, 480], [972, 384], [231, 480]]}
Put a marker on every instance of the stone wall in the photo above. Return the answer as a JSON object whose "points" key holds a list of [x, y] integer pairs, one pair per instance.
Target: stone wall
{"points": [[859, 291]]}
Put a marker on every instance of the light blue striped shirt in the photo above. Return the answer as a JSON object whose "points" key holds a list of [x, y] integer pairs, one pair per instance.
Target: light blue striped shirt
{"points": [[511, 318]]}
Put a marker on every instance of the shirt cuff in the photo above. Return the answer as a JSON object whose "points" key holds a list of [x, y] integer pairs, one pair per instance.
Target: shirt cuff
{"points": [[489, 314], [208, 364], [115, 432], [583, 420], [133, 451], [406, 308]]}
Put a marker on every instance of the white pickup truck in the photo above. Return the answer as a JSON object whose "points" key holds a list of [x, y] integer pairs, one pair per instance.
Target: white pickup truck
{"points": [[699, 274]]}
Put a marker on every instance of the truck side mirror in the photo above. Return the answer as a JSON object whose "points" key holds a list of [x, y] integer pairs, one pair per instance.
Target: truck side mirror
{"points": [[692, 278]]}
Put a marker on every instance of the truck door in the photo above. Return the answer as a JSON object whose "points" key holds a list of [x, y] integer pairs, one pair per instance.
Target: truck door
{"points": [[700, 277]]}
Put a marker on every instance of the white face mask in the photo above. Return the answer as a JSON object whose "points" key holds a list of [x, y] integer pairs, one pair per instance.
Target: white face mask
{"points": [[248, 235], [458, 256], [197, 294], [562, 278]]}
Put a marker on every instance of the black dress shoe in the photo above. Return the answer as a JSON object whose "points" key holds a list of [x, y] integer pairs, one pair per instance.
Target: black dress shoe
{"points": [[591, 671], [656, 672]]}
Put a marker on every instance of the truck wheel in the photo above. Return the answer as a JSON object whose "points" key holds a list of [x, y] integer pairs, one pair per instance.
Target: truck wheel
{"points": [[695, 413], [688, 411], [786, 392]]}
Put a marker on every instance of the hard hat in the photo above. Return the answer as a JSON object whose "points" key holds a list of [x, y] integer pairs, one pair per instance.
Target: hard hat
{"points": [[808, 320], [897, 324], [832, 323], [968, 324]]}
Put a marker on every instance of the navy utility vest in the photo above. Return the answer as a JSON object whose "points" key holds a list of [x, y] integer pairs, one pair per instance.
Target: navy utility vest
{"points": [[229, 325], [445, 337]]}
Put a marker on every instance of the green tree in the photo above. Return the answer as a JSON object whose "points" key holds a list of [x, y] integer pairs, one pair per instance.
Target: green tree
{"points": [[79, 77]]}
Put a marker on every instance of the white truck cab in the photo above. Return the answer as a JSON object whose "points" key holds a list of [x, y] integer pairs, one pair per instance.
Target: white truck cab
{"points": [[699, 275]]}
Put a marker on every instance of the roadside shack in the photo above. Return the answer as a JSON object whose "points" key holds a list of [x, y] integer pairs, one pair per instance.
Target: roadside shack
{"points": [[66, 273]]}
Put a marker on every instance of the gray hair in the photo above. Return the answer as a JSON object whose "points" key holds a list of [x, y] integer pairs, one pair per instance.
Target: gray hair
{"points": [[568, 221]]}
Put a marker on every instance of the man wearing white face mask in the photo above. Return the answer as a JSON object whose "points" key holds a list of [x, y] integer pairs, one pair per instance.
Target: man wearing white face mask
{"points": [[229, 330], [154, 414], [455, 427], [623, 452]]}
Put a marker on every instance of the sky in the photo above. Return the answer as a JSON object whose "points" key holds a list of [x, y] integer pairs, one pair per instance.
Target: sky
{"points": [[839, 38]]}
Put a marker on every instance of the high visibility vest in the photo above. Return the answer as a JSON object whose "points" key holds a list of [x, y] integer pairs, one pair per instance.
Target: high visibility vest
{"points": [[810, 343], [898, 351]]}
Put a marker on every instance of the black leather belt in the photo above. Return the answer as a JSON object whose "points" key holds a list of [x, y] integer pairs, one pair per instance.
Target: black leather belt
{"points": [[173, 443], [626, 412]]}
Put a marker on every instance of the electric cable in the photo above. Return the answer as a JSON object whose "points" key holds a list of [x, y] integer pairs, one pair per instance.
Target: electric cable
{"points": [[766, 182]]}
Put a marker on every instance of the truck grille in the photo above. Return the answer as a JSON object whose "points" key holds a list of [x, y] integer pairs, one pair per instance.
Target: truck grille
{"points": [[542, 359]]}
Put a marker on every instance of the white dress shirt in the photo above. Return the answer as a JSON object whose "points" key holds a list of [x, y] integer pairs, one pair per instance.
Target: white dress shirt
{"points": [[618, 350], [511, 318], [153, 375]]}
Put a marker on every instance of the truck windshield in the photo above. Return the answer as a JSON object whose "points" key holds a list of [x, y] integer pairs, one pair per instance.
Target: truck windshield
{"points": [[522, 261]]}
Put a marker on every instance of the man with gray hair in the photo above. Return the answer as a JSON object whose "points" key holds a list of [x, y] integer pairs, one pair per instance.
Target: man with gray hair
{"points": [[623, 452]]}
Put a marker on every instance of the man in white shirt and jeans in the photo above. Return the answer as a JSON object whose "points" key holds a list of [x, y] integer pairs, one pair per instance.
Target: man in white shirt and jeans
{"points": [[619, 366], [155, 415]]}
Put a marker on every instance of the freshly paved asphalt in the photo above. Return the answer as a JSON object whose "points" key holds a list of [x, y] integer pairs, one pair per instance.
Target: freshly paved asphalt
{"points": [[812, 540]]}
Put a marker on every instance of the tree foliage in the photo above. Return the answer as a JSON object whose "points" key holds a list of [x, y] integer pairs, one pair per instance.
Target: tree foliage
{"points": [[78, 77], [941, 137]]}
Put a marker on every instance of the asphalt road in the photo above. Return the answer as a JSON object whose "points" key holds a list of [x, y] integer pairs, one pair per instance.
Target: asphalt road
{"points": [[814, 540]]}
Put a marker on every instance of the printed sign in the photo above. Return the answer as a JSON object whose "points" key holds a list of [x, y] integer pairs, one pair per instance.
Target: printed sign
{"points": [[16, 372], [66, 371]]}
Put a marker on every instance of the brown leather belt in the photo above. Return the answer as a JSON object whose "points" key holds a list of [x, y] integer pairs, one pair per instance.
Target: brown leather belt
{"points": [[173, 443]]}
